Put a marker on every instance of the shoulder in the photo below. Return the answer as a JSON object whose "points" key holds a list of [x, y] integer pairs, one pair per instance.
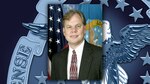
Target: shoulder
{"points": [[60, 54], [93, 47], [93, 50]]}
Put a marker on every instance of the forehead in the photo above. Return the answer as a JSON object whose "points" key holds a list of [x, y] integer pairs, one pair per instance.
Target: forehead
{"points": [[74, 19]]}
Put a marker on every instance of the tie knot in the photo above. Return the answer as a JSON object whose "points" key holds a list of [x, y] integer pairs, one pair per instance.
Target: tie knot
{"points": [[74, 57], [74, 51]]}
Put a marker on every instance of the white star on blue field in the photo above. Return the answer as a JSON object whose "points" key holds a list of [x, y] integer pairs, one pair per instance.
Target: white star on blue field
{"points": [[136, 14], [41, 78], [121, 4], [146, 59], [104, 2], [146, 78]]}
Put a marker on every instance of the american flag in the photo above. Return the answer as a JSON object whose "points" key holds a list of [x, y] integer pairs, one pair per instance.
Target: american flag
{"points": [[56, 38]]}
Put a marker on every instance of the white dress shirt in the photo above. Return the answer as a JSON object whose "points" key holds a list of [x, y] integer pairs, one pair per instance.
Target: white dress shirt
{"points": [[79, 51]]}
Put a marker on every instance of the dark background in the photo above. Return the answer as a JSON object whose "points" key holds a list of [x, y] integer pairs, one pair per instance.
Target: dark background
{"points": [[13, 13]]}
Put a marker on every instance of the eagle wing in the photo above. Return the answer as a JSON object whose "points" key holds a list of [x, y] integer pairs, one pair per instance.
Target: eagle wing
{"points": [[37, 29], [133, 38]]}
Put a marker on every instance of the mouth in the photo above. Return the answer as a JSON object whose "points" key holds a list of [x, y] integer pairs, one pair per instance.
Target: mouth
{"points": [[74, 36]]}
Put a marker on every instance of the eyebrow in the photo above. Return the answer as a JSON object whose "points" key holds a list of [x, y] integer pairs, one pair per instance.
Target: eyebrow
{"points": [[75, 25]]}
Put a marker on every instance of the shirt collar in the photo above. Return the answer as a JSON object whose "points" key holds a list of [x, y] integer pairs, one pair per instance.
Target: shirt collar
{"points": [[79, 49]]}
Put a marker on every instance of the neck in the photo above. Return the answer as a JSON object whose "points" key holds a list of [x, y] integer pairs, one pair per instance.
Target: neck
{"points": [[74, 46]]}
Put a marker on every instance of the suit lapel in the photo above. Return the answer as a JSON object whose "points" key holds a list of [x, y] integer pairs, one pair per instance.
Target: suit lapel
{"points": [[63, 70], [85, 62]]}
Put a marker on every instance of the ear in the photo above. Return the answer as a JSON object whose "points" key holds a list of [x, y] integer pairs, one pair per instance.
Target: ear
{"points": [[84, 27]]}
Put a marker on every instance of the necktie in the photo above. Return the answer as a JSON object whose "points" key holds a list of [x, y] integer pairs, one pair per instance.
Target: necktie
{"points": [[73, 67]]}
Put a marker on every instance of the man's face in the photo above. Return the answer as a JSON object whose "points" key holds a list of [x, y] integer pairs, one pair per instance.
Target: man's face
{"points": [[74, 30]]}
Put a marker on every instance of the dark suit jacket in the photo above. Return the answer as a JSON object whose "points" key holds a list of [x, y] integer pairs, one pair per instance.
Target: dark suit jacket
{"points": [[90, 67]]}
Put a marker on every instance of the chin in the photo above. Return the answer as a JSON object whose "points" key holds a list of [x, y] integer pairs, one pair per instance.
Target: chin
{"points": [[74, 42]]}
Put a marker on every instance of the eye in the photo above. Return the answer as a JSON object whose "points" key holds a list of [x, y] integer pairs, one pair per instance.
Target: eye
{"points": [[78, 26], [68, 27]]}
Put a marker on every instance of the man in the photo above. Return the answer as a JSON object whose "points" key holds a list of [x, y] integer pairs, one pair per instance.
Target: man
{"points": [[81, 60]]}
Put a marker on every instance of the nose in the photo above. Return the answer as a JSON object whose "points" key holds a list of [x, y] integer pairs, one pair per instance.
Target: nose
{"points": [[74, 30]]}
